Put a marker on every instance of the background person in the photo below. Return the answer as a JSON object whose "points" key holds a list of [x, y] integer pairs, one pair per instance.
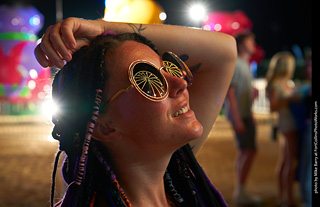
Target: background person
{"points": [[281, 92], [238, 107]]}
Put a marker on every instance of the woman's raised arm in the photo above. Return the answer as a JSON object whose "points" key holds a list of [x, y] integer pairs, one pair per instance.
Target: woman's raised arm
{"points": [[210, 55]]}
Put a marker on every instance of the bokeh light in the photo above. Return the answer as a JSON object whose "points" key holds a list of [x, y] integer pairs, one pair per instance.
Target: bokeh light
{"points": [[142, 11], [198, 12]]}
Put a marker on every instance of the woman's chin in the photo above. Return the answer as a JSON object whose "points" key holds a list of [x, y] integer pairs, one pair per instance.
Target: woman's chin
{"points": [[198, 129], [195, 132]]}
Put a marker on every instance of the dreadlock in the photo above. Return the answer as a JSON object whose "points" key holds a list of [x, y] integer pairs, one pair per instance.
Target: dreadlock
{"points": [[77, 88]]}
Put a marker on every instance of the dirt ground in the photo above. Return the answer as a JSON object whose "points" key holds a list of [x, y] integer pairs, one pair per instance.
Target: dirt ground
{"points": [[27, 154]]}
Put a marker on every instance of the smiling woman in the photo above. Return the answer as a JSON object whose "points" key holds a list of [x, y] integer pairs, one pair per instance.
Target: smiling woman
{"points": [[130, 120]]}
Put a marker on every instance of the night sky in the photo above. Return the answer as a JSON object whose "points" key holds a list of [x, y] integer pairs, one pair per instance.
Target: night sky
{"points": [[278, 24]]}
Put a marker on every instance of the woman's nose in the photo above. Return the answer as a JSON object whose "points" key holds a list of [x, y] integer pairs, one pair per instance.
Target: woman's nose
{"points": [[176, 85]]}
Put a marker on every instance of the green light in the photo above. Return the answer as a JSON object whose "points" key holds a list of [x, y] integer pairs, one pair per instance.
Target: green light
{"points": [[18, 36]]}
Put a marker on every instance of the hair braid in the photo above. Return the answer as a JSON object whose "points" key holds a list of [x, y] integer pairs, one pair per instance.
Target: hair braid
{"points": [[111, 177], [75, 89]]}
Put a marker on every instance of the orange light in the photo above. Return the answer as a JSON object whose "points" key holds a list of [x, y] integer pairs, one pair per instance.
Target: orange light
{"points": [[134, 11]]}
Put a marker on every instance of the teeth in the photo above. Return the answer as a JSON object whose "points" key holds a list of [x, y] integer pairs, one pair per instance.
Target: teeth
{"points": [[181, 111]]}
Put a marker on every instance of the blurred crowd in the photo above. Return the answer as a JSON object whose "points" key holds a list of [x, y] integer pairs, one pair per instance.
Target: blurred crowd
{"points": [[289, 101]]}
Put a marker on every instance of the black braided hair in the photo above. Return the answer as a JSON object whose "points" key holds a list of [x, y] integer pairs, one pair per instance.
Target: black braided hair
{"points": [[189, 182], [74, 90]]}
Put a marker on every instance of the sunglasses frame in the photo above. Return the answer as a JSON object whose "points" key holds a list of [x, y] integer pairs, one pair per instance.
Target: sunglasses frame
{"points": [[188, 78], [134, 83]]}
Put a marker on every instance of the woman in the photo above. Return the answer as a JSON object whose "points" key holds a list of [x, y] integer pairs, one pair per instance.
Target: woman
{"points": [[281, 92], [134, 150]]}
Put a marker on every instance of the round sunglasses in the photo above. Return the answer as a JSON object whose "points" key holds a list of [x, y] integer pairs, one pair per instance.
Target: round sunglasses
{"points": [[150, 82]]}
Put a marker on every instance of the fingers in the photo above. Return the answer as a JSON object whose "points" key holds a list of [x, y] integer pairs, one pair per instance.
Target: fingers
{"points": [[50, 51], [65, 37], [67, 34], [56, 45], [46, 52], [40, 56]]}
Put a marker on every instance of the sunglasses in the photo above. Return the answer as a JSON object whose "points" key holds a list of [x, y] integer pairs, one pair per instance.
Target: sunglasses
{"points": [[150, 82]]}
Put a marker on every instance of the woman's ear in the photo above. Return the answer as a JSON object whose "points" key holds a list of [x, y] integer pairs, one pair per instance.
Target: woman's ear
{"points": [[104, 131]]}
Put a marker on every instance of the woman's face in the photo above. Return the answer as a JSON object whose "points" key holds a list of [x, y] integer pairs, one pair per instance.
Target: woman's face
{"points": [[140, 119]]}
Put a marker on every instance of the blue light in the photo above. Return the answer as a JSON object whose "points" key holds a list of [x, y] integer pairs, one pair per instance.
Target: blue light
{"points": [[254, 68], [35, 20]]}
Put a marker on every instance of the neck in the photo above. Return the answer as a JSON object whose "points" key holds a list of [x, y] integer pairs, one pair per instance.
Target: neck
{"points": [[140, 173]]}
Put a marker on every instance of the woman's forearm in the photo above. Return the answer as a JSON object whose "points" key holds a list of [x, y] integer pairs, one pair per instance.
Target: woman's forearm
{"points": [[201, 46]]}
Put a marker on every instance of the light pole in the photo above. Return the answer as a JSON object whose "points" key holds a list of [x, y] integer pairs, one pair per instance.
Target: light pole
{"points": [[59, 11]]}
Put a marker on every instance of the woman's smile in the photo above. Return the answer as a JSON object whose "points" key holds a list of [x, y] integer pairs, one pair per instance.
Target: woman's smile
{"points": [[181, 111]]}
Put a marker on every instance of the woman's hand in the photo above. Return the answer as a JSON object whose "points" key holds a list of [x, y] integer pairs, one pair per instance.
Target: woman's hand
{"points": [[64, 38]]}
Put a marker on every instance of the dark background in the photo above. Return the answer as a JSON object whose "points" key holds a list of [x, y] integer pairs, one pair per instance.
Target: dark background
{"points": [[278, 24]]}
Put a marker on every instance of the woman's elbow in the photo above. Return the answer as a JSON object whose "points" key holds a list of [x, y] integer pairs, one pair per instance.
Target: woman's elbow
{"points": [[228, 48], [230, 54], [232, 48]]}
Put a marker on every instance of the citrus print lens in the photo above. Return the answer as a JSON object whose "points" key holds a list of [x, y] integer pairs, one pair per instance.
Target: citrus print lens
{"points": [[149, 83], [175, 66], [148, 80], [172, 69]]}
